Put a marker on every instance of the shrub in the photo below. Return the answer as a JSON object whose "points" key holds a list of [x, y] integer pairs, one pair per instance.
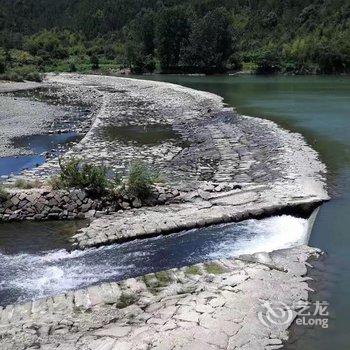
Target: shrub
{"points": [[22, 73], [72, 67], [92, 178], [95, 63], [2, 61], [140, 180], [3, 193]]}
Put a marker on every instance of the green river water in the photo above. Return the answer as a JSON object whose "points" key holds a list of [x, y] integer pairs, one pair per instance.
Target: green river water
{"points": [[318, 108]]}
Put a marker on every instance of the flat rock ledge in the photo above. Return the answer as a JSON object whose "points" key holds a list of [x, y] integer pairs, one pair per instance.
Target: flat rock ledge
{"points": [[213, 305]]}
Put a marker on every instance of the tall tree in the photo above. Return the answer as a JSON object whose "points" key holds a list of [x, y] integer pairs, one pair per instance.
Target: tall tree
{"points": [[172, 31], [210, 41], [140, 42]]}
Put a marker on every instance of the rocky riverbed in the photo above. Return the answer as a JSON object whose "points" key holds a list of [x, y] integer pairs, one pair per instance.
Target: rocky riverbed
{"points": [[220, 167]]}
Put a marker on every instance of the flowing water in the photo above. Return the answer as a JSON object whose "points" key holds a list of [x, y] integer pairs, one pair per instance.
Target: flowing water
{"points": [[35, 261], [318, 108]]}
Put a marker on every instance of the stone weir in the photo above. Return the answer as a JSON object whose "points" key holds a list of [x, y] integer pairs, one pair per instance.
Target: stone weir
{"points": [[219, 166], [226, 167], [210, 306]]}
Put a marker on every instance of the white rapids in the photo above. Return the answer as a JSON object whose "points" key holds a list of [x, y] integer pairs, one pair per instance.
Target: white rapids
{"points": [[34, 275]]}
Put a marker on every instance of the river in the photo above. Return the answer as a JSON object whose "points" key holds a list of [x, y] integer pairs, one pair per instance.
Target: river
{"points": [[36, 260], [319, 108]]}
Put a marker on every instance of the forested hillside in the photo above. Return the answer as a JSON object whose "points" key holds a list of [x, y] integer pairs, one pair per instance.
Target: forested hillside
{"points": [[267, 36]]}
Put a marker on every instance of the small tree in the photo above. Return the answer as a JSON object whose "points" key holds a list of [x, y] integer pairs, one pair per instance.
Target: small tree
{"points": [[172, 31], [95, 62], [210, 42], [2, 61]]}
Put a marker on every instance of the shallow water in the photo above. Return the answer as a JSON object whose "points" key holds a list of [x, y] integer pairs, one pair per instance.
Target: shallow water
{"points": [[34, 122], [35, 262], [319, 108], [142, 135], [37, 144]]}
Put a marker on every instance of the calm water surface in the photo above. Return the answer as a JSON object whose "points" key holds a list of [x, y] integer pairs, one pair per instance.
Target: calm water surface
{"points": [[37, 144], [319, 108]]}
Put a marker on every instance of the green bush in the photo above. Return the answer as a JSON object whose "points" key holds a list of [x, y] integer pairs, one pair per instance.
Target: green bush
{"points": [[22, 73], [92, 178], [140, 180], [3, 193], [95, 63]]}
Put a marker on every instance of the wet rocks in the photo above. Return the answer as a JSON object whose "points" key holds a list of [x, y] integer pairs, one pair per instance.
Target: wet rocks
{"points": [[206, 306]]}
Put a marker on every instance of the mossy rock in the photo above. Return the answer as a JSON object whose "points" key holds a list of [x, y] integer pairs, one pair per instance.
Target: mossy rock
{"points": [[126, 300], [163, 278], [193, 270], [150, 281], [214, 268]]}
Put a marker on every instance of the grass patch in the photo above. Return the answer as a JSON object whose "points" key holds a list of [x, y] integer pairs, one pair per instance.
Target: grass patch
{"points": [[76, 174], [26, 185], [98, 180], [163, 278], [22, 73], [249, 66], [193, 270], [214, 269], [55, 182], [126, 300], [150, 281]]}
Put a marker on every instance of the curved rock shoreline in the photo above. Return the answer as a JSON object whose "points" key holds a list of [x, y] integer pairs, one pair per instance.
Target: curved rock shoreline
{"points": [[227, 167], [224, 167]]}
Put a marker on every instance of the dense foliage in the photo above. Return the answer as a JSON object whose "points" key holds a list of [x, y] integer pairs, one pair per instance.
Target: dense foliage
{"points": [[97, 180], [92, 178], [295, 36], [140, 180]]}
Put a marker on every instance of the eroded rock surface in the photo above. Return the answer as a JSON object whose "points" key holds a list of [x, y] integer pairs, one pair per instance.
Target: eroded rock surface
{"points": [[214, 305]]}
